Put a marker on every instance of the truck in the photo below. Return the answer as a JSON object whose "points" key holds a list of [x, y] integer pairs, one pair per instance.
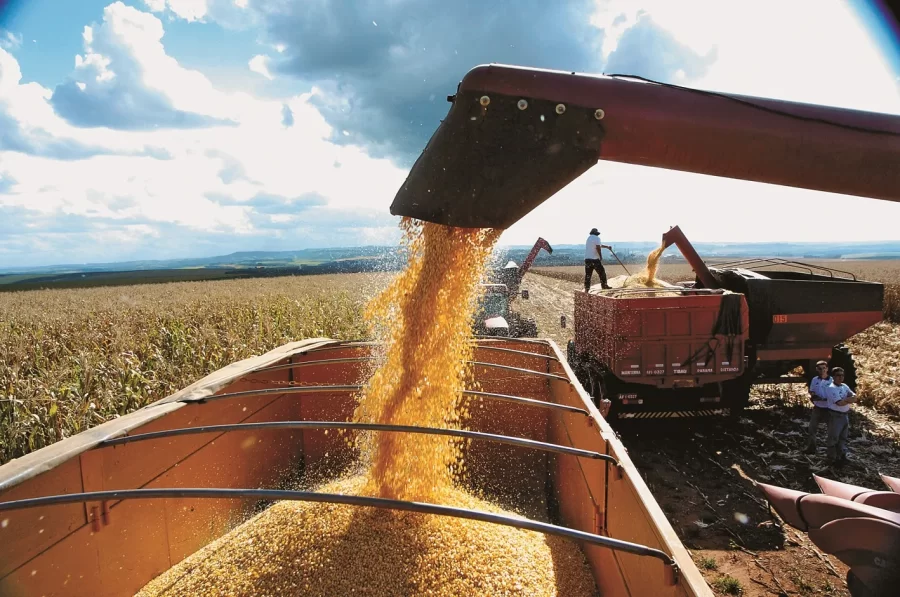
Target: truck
{"points": [[697, 348]]}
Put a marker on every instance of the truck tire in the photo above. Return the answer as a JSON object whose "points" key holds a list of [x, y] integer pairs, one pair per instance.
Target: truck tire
{"points": [[842, 357], [736, 395]]}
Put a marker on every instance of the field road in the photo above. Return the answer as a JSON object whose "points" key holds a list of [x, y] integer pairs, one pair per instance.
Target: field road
{"points": [[703, 473]]}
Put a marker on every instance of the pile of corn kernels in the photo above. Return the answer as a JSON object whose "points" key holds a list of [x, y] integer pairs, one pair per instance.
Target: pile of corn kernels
{"points": [[327, 550]]}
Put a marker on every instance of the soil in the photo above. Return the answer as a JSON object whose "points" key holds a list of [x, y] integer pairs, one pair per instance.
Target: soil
{"points": [[703, 473]]}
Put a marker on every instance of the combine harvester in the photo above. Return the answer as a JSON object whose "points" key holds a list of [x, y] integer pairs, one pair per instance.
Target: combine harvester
{"points": [[104, 512], [696, 349], [495, 317]]}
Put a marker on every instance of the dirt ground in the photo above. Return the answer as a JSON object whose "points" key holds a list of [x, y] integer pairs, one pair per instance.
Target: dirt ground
{"points": [[703, 473]]}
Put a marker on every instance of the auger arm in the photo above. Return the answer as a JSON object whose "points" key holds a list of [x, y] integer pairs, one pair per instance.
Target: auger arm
{"points": [[515, 136]]}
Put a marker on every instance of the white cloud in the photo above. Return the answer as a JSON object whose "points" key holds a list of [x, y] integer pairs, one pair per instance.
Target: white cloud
{"points": [[771, 48], [120, 190], [112, 191], [766, 49], [190, 10], [260, 64], [156, 5], [9, 40]]}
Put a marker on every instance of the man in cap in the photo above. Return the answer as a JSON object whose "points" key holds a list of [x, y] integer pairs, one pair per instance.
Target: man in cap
{"points": [[592, 259], [819, 397]]}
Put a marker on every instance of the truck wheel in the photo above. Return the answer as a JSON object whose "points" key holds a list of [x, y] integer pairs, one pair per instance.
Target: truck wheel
{"points": [[736, 395], [842, 357]]}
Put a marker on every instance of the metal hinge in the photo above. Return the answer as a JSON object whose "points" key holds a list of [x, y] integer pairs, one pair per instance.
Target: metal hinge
{"points": [[599, 521], [99, 515]]}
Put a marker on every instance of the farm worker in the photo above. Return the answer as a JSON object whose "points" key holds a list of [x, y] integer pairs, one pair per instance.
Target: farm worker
{"points": [[592, 259], [820, 412], [840, 397]]}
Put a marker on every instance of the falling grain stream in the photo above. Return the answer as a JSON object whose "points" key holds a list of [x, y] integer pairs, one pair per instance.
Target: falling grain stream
{"points": [[424, 320]]}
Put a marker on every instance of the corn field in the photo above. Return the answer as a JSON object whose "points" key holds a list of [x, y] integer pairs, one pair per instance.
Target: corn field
{"points": [[72, 359]]}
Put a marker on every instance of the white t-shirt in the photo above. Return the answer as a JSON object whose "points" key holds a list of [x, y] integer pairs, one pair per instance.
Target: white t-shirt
{"points": [[836, 393], [590, 247], [817, 388]]}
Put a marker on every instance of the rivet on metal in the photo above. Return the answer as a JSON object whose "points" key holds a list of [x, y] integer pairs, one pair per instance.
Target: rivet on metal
{"points": [[599, 114], [522, 104], [560, 108], [485, 100]]}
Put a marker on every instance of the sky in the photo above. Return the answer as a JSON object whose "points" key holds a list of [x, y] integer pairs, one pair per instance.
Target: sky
{"points": [[155, 129]]}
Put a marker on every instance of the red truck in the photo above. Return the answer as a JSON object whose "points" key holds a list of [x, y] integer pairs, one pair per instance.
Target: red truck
{"points": [[698, 348]]}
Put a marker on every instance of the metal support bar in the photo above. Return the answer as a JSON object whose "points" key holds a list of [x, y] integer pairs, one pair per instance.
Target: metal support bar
{"points": [[364, 359], [527, 401], [520, 352], [276, 391], [502, 439], [520, 370], [350, 500], [312, 363], [356, 388], [337, 346], [502, 339]]}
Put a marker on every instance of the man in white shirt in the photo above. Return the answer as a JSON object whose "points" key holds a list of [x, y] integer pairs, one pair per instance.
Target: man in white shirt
{"points": [[592, 259], [820, 412], [840, 397]]}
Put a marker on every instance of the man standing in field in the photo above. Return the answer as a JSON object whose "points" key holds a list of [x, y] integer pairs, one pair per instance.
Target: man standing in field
{"points": [[840, 397], [820, 412], [592, 259]]}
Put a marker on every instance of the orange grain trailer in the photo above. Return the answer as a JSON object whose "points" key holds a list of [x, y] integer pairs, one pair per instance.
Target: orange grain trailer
{"points": [[106, 511]]}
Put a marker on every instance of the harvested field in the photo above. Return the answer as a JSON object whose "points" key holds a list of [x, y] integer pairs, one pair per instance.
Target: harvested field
{"points": [[703, 472], [886, 272]]}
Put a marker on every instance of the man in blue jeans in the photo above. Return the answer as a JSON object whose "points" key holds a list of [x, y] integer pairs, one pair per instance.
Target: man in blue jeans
{"points": [[820, 412], [840, 397]]}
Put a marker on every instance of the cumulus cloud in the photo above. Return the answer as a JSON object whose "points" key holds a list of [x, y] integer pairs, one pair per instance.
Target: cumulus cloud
{"points": [[28, 124], [260, 65], [189, 10], [125, 80], [268, 203], [155, 5], [384, 69], [648, 50], [9, 40], [232, 14], [267, 180]]}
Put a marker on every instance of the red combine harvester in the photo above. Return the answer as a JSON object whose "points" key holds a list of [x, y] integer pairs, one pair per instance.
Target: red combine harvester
{"points": [[697, 349], [495, 316]]}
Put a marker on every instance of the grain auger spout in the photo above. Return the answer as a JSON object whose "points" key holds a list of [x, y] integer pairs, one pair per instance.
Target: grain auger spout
{"points": [[514, 136], [676, 237]]}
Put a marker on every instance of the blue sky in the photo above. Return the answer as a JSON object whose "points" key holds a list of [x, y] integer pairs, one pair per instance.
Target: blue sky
{"points": [[148, 129]]}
